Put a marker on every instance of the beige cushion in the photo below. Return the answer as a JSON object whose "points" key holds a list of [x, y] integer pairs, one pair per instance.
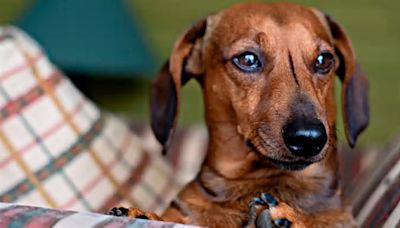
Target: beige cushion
{"points": [[57, 149]]}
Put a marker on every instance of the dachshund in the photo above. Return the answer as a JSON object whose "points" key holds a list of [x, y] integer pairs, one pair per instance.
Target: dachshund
{"points": [[267, 72]]}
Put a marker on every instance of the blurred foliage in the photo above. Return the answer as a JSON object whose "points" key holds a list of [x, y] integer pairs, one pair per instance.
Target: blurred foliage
{"points": [[372, 25], [10, 10]]}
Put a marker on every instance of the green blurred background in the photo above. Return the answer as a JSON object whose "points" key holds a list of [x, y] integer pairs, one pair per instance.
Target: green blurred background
{"points": [[374, 27]]}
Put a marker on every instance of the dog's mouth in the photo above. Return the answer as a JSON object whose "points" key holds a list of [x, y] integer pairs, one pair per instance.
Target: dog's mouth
{"points": [[281, 164], [292, 165]]}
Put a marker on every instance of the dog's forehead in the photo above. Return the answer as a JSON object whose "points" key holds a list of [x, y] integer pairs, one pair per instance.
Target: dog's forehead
{"points": [[244, 19]]}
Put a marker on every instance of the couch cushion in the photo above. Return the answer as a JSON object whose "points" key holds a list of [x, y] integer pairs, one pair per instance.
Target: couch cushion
{"points": [[376, 191], [186, 152], [57, 149], [371, 180]]}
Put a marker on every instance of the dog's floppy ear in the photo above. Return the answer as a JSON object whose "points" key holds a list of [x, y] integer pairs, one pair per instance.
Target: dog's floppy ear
{"points": [[184, 62], [354, 84]]}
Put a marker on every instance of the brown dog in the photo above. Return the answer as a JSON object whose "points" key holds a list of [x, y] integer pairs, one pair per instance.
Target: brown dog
{"points": [[268, 74]]}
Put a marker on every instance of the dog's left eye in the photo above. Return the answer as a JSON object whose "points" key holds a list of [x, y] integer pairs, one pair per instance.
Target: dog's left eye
{"points": [[247, 62], [324, 63]]}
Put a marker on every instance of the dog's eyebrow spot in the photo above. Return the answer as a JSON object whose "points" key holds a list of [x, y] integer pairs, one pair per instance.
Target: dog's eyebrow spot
{"points": [[292, 69], [239, 46], [262, 39]]}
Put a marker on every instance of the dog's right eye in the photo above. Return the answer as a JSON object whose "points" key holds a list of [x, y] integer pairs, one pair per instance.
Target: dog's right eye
{"points": [[324, 63], [247, 62]]}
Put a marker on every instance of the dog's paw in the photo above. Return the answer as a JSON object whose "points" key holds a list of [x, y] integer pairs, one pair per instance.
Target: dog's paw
{"points": [[118, 211], [264, 220], [276, 214], [133, 213]]}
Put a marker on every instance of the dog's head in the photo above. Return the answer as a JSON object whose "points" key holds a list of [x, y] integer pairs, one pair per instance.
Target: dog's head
{"points": [[270, 69]]}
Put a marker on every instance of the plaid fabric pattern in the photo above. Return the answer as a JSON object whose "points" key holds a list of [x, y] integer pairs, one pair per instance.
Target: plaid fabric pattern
{"points": [[186, 152], [376, 194], [57, 149], [371, 181], [12, 216]]}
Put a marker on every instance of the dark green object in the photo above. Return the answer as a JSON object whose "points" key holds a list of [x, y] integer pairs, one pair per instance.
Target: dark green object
{"points": [[93, 37]]}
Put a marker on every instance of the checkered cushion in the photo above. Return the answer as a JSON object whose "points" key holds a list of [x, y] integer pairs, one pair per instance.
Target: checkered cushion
{"points": [[186, 152], [57, 149]]}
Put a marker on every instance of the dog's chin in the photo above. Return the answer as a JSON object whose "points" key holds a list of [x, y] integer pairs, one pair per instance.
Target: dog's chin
{"points": [[294, 165], [289, 165]]}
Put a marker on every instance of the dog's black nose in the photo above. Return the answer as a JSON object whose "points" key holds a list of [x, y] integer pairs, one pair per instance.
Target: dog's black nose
{"points": [[304, 138]]}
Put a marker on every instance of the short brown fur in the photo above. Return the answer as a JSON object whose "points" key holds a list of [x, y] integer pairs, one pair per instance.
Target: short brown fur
{"points": [[252, 108]]}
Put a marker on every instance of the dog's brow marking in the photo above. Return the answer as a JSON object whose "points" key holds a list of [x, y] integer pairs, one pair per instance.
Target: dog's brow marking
{"points": [[292, 69]]}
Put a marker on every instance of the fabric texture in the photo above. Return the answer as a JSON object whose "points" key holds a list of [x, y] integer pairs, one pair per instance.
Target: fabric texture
{"points": [[186, 152], [12, 216], [375, 192], [371, 181], [57, 149]]}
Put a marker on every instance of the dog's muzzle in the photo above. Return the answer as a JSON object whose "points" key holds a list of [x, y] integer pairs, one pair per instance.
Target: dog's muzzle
{"points": [[304, 137]]}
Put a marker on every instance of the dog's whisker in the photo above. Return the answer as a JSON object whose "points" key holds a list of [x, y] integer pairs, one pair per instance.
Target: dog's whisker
{"points": [[257, 122]]}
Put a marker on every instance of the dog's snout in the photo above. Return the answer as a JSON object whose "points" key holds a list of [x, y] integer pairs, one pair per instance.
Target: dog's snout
{"points": [[305, 138]]}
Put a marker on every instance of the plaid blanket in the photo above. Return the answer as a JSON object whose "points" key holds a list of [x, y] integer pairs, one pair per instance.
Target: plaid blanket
{"points": [[12, 216], [57, 149]]}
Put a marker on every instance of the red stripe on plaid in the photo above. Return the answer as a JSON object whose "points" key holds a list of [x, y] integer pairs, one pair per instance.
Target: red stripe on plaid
{"points": [[134, 178], [21, 67], [390, 208], [77, 109], [16, 105], [173, 155], [89, 187], [356, 167], [166, 190], [5, 36], [8, 213], [383, 208], [47, 219], [357, 207], [113, 222], [56, 164], [111, 202]]}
